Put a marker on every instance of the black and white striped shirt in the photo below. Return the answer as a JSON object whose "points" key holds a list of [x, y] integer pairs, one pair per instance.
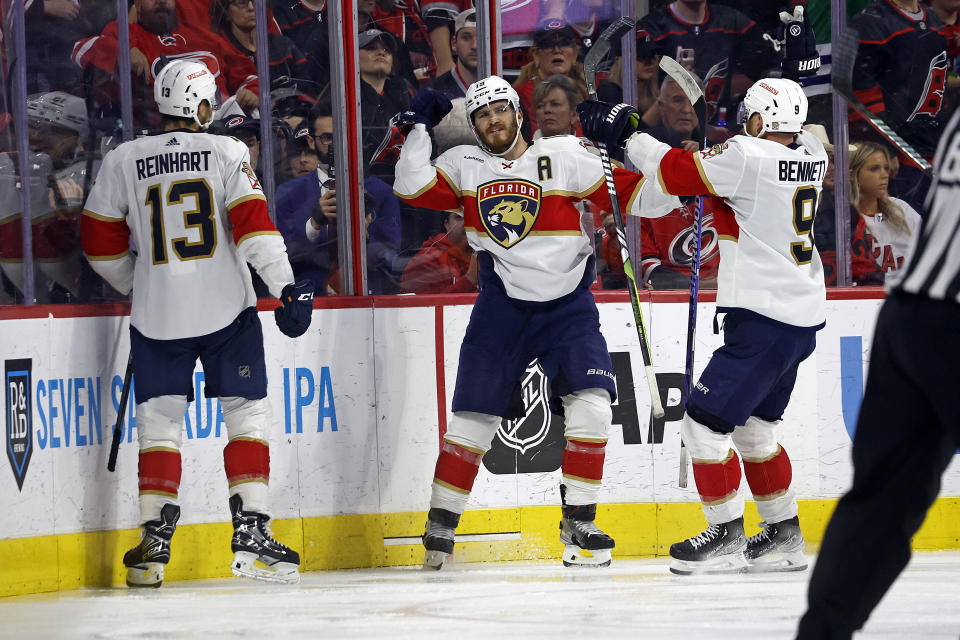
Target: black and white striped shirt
{"points": [[933, 268]]}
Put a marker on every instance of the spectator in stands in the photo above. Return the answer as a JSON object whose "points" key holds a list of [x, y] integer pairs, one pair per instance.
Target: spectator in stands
{"points": [[519, 22], [367, 20], [440, 16], [403, 20], [302, 155], [454, 128], [900, 76], [321, 118], [886, 227], [52, 27], [382, 94], [646, 73], [445, 262], [555, 107], [305, 22], [678, 120], [555, 49], [708, 39], [236, 21], [949, 13], [247, 131], [156, 37], [668, 247]]}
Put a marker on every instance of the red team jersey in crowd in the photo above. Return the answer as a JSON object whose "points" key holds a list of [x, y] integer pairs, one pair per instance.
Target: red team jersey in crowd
{"points": [[231, 69], [195, 213], [530, 201], [669, 241], [768, 262]]}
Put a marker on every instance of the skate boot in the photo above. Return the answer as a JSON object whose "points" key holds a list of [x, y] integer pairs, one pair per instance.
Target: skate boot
{"points": [[778, 547], [145, 561], [255, 552], [585, 545], [438, 537], [719, 549]]}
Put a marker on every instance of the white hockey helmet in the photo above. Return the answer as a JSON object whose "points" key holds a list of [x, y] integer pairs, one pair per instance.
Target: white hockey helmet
{"points": [[485, 91], [780, 102], [181, 86], [59, 109]]}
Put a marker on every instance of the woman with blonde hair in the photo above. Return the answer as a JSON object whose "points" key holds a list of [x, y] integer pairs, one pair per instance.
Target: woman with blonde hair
{"points": [[646, 78], [886, 227], [555, 50]]}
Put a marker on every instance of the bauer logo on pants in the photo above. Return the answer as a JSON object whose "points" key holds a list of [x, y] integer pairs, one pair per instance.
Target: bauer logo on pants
{"points": [[508, 209], [19, 404]]}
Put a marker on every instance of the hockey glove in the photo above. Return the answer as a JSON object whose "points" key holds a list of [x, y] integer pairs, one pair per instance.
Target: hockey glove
{"points": [[800, 57], [428, 107], [608, 123], [293, 318]]}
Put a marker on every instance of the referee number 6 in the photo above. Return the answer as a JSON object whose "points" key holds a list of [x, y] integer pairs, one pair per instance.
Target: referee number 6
{"points": [[804, 211]]}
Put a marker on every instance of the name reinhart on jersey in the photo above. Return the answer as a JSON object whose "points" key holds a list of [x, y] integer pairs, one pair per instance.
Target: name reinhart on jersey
{"points": [[801, 170], [172, 162]]}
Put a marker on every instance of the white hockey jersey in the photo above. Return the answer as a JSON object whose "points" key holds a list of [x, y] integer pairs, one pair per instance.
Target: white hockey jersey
{"points": [[888, 245], [196, 212], [769, 192], [522, 212]]}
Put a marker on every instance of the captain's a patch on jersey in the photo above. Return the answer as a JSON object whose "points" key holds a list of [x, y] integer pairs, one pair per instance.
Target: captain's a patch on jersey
{"points": [[508, 209], [713, 151], [251, 176]]}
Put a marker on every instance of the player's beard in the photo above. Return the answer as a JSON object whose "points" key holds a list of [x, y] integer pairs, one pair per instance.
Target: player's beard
{"points": [[501, 141]]}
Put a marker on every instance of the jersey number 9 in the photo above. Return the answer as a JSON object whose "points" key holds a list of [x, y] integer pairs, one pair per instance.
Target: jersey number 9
{"points": [[200, 218], [804, 211]]}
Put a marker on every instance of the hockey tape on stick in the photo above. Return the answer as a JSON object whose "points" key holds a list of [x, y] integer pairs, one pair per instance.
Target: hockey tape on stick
{"points": [[695, 94], [121, 411], [590, 62], [842, 65]]}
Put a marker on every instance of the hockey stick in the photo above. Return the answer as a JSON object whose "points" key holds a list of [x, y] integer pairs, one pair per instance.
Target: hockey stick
{"points": [[118, 426], [844, 59], [590, 62], [695, 94]]}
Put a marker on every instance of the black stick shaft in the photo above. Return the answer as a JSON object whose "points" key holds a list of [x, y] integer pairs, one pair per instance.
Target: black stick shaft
{"points": [[121, 412]]}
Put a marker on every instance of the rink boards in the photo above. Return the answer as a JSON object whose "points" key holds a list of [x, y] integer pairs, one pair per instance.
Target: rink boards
{"points": [[360, 404]]}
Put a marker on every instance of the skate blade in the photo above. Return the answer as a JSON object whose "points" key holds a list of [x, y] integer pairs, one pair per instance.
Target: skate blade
{"points": [[247, 565], [146, 575], [778, 562], [435, 559], [727, 563], [574, 556]]}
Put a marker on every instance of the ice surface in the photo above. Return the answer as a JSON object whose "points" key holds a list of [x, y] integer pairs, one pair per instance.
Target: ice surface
{"points": [[630, 599]]}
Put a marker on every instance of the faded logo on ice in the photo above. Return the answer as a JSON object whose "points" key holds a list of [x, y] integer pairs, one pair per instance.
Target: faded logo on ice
{"points": [[19, 412]]}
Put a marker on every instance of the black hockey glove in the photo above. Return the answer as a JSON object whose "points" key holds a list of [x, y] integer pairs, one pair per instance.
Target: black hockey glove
{"points": [[428, 107], [800, 57], [293, 318], [608, 123]]}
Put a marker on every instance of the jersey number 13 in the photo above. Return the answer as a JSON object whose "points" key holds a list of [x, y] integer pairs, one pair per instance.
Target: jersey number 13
{"points": [[200, 219]]}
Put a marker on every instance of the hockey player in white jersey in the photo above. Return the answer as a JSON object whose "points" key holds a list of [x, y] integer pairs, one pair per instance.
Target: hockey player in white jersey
{"points": [[175, 217], [535, 269], [770, 288]]}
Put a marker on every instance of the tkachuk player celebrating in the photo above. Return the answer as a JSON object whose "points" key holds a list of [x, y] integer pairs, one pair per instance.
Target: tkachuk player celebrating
{"points": [[196, 214], [770, 286], [535, 269]]}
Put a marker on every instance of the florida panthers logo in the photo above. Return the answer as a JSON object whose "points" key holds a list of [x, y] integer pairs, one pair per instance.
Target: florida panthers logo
{"points": [[508, 209]]}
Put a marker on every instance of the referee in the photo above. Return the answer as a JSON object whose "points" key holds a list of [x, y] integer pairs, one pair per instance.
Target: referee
{"points": [[909, 424]]}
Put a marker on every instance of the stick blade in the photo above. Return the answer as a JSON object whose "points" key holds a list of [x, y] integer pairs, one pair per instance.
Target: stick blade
{"points": [[682, 77], [599, 50]]}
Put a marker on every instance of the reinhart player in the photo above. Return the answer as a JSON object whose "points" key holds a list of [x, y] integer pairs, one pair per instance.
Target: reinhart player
{"points": [[536, 266]]}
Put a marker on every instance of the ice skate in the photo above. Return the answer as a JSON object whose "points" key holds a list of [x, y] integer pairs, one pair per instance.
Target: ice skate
{"points": [[438, 537], [257, 554], [778, 547], [719, 549], [145, 561], [585, 544]]}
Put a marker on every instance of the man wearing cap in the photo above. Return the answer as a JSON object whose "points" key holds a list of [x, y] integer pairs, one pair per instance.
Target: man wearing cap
{"points": [[463, 43], [555, 50], [382, 93], [247, 131]]}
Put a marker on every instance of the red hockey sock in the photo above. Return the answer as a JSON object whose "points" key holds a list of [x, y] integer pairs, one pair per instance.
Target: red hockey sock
{"points": [[717, 482], [771, 477], [246, 461], [583, 461], [160, 471], [457, 467]]}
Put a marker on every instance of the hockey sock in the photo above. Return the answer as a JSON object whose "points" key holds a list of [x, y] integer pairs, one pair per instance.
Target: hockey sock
{"points": [[718, 482], [457, 468], [582, 468], [159, 473], [247, 464], [769, 480]]}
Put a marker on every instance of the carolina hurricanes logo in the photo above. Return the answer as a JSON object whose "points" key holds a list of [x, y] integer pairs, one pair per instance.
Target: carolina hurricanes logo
{"points": [[172, 40], [508, 209], [683, 245], [713, 82], [932, 100]]}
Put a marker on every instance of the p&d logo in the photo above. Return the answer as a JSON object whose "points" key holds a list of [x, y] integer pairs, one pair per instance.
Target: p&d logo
{"points": [[18, 386]]}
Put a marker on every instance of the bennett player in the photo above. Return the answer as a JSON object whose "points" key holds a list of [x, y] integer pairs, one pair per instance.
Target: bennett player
{"points": [[770, 288], [196, 214], [535, 269]]}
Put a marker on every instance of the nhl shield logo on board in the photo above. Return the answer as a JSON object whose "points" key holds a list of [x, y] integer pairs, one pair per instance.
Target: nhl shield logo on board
{"points": [[508, 209]]}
